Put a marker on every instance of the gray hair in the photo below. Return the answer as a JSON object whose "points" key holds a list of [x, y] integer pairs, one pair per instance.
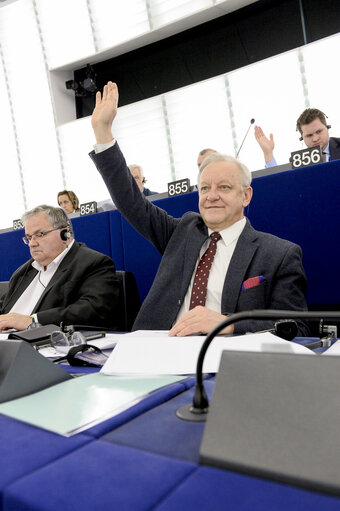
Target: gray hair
{"points": [[135, 166], [56, 216], [245, 173]]}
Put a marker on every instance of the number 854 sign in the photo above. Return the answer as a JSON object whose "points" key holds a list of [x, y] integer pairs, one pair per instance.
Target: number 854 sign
{"points": [[304, 157]]}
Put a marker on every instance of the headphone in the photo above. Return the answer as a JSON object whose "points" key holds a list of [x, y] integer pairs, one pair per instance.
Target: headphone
{"points": [[65, 234]]}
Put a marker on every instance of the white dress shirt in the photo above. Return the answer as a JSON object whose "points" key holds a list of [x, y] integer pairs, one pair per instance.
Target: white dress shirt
{"points": [[219, 268], [29, 298]]}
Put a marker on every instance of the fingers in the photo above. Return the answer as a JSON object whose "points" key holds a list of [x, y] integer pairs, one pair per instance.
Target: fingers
{"points": [[113, 92], [110, 92], [188, 323], [14, 320], [258, 132], [199, 320], [104, 93], [98, 98]]}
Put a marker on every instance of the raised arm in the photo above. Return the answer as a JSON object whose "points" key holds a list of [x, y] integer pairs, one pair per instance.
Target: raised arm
{"points": [[266, 144]]}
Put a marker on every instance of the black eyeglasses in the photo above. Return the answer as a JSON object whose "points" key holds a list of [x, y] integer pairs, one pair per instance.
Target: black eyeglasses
{"points": [[38, 235]]}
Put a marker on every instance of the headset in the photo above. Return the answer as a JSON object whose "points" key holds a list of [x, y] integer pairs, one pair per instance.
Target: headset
{"points": [[65, 233], [328, 126]]}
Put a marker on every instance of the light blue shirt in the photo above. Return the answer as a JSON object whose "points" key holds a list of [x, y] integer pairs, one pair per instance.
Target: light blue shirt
{"points": [[271, 163]]}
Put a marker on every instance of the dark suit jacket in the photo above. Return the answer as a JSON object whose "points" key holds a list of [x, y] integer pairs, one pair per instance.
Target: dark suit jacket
{"points": [[334, 148], [180, 241], [83, 291]]}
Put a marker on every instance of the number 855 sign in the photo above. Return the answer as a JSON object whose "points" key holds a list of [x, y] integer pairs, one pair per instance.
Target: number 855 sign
{"points": [[179, 187]]}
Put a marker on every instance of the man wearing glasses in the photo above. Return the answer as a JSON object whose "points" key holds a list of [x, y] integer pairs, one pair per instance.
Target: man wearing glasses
{"points": [[64, 281], [137, 172]]}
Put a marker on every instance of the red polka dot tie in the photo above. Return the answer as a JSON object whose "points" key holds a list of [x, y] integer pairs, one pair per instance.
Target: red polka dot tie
{"points": [[199, 288]]}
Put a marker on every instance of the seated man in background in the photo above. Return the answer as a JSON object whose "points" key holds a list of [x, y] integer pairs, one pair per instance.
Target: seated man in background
{"points": [[64, 281], [68, 201], [137, 172], [251, 269], [313, 128], [203, 154]]}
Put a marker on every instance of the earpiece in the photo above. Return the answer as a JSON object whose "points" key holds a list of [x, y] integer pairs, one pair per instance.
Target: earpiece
{"points": [[65, 234]]}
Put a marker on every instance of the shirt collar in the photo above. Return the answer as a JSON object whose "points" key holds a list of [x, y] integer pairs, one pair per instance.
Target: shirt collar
{"points": [[232, 232], [55, 263]]}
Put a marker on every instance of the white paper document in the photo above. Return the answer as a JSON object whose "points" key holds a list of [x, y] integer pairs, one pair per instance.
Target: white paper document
{"points": [[334, 349], [147, 352]]}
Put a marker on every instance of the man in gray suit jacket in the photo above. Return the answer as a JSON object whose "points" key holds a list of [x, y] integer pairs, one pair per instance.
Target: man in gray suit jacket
{"points": [[251, 270], [64, 281]]}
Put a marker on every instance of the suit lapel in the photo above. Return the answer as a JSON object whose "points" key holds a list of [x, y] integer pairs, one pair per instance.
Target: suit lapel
{"points": [[240, 261]]}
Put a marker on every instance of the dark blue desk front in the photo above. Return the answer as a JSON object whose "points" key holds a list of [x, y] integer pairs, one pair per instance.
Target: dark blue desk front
{"points": [[147, 460]]}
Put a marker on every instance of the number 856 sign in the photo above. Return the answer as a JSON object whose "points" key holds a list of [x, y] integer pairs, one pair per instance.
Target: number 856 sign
{"points": [[304, 157]]}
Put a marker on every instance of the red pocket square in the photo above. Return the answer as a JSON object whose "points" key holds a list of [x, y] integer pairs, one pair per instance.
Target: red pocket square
{"points": [[253, 281]]}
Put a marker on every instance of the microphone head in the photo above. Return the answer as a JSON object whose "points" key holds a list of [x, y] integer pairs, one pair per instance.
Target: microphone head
{"points": [[286, 329], [252, 121]]}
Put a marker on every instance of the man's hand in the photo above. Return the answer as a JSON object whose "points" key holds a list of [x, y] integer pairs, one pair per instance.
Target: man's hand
{"points": [[199, 320], [14, 320], [104, 113], [266, 144]]}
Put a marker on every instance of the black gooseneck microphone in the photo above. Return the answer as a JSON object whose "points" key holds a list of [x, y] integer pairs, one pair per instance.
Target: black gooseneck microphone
{"points": [[245, 136], [198, 409]]}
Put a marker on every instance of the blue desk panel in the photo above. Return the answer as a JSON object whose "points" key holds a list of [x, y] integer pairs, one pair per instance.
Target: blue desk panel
{"points": [[100, 476], [303, 206], [24, 449], [94, 231], [147, 464], [159, 430], [13, 252], [219, 490]]}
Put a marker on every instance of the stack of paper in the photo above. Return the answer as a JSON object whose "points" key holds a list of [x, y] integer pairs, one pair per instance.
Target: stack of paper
{"points": [[149, 352]]}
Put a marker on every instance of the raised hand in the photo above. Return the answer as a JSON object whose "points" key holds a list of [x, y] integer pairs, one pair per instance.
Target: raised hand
{"points": [[266, 144], [104, 113]]}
